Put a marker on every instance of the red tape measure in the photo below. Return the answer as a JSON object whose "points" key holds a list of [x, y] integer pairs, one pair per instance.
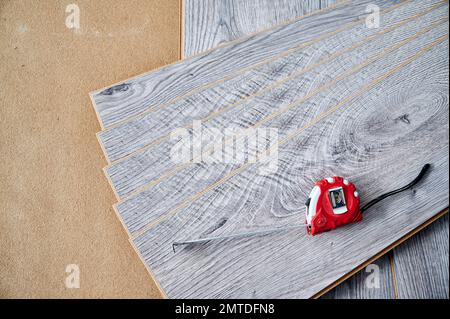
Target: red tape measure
{"points": [[333, 202]]}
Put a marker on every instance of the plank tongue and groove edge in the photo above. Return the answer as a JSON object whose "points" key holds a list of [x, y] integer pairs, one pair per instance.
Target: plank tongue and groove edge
{"points": [[145, 167], [376, 149], [145, 93]]}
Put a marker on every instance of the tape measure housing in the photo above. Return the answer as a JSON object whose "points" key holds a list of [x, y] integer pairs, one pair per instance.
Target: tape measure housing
{"points": [[333, 202]]}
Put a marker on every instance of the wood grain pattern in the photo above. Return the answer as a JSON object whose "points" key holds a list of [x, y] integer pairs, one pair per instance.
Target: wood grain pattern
{"points": [[206, 24], [209, 23], [366, 142], [144, 199], [153, 128], [428, 251], [143, 204], [355, 141], [366, 115], [140, 95], [145, 166], [357, 287]]}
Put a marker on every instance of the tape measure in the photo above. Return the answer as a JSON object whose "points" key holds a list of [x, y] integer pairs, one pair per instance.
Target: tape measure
{"points": [[332, 203]]}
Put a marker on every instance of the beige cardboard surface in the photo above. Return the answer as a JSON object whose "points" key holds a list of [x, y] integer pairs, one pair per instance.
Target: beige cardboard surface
{"points": [[55, 203]]}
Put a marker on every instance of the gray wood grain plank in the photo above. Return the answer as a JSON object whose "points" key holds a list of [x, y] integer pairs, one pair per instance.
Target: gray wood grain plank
{"points": [[137, 210], [373, 282], [421, 263], [155, 251], [150, 91], [147, 166], [365, 140], [154, 127], [209, 23]]}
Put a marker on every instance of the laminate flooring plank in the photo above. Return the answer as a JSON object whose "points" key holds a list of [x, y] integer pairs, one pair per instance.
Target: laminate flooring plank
{"points": [[375, 136], [209, 23], [421, 263], [373, 282], [189, 178], [142, 94], [135, 173], [154, 127], [198, 175]]}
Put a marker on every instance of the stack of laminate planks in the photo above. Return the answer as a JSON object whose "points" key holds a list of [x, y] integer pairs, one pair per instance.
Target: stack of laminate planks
{"points": [[418, 268], [370, 104]]}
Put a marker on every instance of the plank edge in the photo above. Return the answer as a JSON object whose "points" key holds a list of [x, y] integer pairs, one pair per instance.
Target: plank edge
{"points": [[238, 40], [381, 253], [111, 184], [94, 105], [332, 285], [102, 145], [182, 29], [150, 272], [251, 34]]}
